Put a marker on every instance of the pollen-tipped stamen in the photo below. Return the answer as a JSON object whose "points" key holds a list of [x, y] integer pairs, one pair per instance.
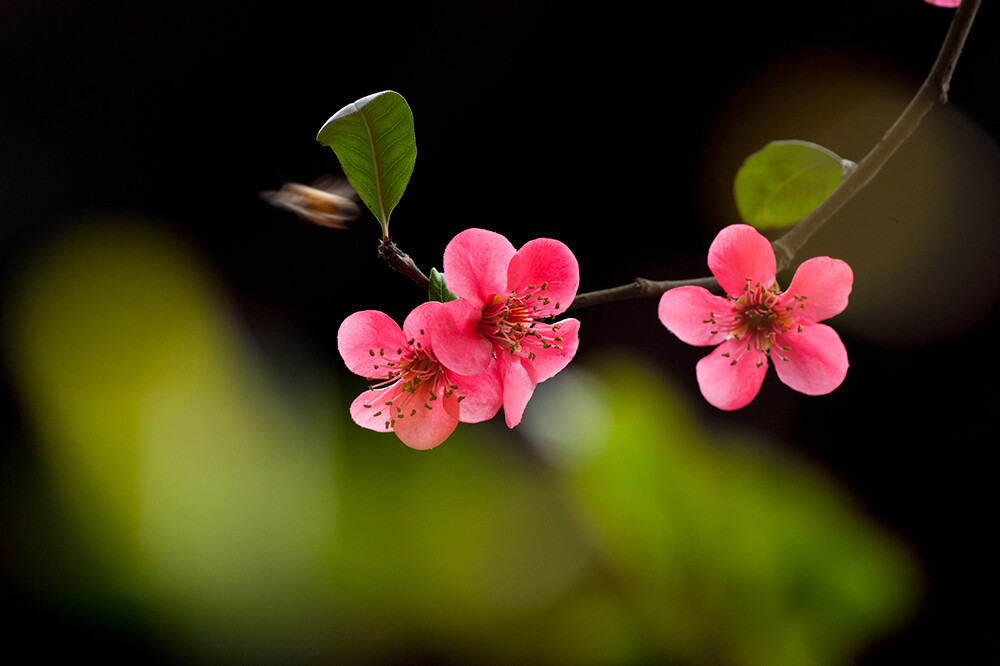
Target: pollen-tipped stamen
{"points": [[511, 322]]}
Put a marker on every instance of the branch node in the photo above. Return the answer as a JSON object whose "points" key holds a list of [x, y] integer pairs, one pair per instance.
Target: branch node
{"points": [[401, 262]]}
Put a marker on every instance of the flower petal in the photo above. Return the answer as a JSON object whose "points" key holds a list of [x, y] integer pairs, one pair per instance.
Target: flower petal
{"points": [[366, 338], [817, 361], [519, 381], [825, 284], [422, 321], [549, 361], [458, 345], [370, 411], [740, 253], [481, 395], [426, 423], [728, 385], [475, 264], [688, 313], [550, 262]]}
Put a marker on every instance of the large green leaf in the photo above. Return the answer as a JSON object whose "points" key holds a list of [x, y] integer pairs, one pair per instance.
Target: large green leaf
{"points": [[374, 141], [785, 181]]}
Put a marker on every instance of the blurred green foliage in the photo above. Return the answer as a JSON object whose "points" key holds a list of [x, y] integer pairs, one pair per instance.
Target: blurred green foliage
{"points": [[244, 515]]}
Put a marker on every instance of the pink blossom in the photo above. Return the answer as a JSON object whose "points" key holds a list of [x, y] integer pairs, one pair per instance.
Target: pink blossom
{"points": [[417, 398], [504, 296], [945, 3], [756, 321]]}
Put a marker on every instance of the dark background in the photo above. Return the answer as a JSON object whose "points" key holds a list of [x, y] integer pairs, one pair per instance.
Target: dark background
{"points": [[588, 124]]}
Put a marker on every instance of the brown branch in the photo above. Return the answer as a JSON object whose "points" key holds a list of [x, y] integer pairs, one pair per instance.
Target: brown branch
{"points": [[638, 288], [400, 262], [933, 91]]}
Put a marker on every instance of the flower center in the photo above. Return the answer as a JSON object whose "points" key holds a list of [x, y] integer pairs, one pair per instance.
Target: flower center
{"points": [[511, 322], [411, 370], [756, 318], [758, 315]]}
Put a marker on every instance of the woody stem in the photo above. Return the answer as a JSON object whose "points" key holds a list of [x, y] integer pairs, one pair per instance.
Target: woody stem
{"points": [[934, 90]]}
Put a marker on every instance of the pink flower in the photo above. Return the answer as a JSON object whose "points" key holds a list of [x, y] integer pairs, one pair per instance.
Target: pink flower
{"points": [[756, 321], [945, 3], [417, 398], [504, 295]]}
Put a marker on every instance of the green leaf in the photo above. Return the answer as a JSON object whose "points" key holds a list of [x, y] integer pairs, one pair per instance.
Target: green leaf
{"points": [[785, 181], [437, 290], [374, 141], [726, 541]]}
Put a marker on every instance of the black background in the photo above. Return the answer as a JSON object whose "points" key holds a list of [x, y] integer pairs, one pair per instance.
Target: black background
{"points": [[532, 119]]}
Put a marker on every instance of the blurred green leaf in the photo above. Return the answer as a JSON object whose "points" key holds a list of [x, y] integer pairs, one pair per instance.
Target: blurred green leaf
{"points": [[437, 290], [736, 549], [458, 549], [374, 141], [202, 492], [785, 181]]}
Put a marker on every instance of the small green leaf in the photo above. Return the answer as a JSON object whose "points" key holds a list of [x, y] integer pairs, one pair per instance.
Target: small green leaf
{"points": [[374, 141], [785, 181], [437, 290]]}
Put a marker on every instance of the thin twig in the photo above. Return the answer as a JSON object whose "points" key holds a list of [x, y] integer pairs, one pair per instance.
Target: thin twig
{"points": [[400, 262], [934, 90]]}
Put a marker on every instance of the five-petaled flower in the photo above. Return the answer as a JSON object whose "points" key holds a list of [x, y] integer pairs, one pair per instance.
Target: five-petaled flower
{"points": [[416, 397], [504, 296], [756, 321]]}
